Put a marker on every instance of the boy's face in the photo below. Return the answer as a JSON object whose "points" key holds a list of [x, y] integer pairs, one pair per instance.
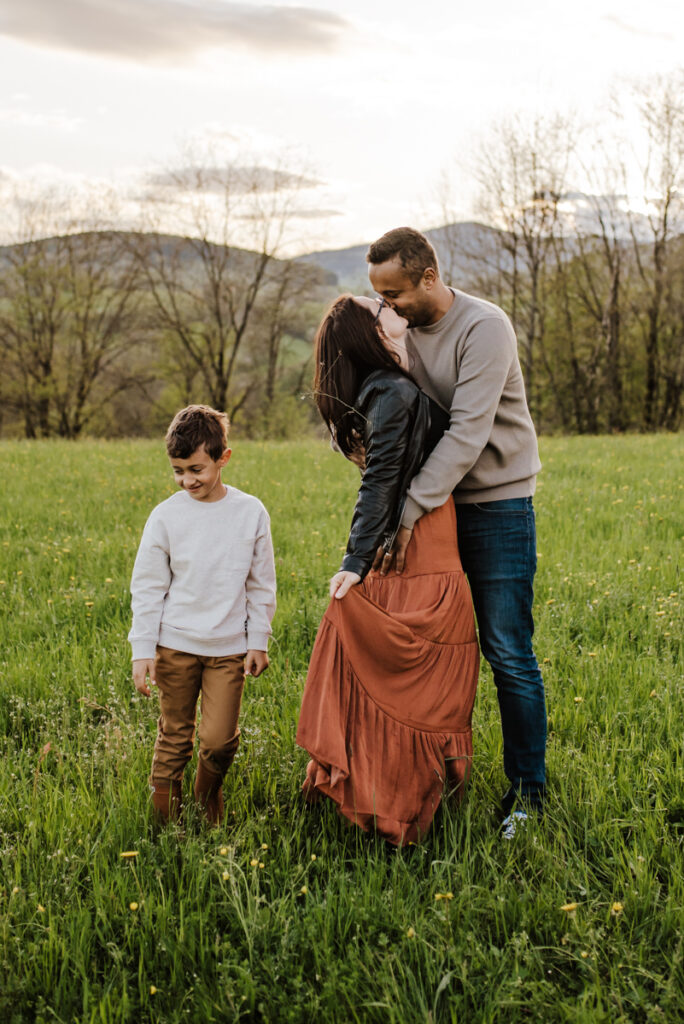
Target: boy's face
{"points": [[200, 475]]}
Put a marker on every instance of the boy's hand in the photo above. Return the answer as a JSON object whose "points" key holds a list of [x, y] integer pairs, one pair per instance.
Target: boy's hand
{"points": [[143, 668], [342, 582], [255, 663]]}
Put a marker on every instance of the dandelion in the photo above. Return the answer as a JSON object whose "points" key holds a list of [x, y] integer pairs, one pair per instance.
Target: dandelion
{"points": [[444, 895], [570, 908], [224, 851], [225, 876], [133, 906], [41, 908], [303, 890], [584, 954], [261, 864], [410, 933], [253, 862], [616, 909], [579, 700], [313, 856], [128, 854], [153, 990], [653, 693], [592, 654], [264, 846], [15, 890]]}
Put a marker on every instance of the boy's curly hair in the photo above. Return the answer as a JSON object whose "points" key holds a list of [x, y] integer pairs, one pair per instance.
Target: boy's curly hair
{"points": [[194, 426]]}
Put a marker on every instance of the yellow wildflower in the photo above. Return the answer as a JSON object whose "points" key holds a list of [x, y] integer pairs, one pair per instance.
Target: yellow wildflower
{"points": [[224, 851], [303, 890], [569, 908], [127, 854], [410, 934], [253, 862], [133, 906], [616, 909], [153, 990]]}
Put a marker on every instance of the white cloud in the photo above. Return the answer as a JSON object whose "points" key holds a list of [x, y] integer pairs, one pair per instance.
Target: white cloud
{"points": [[57, 120], [235, 179], [170, 30]]}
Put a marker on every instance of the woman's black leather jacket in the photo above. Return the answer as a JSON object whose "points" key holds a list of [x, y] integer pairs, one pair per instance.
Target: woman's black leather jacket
{"points": [[400, 425]]}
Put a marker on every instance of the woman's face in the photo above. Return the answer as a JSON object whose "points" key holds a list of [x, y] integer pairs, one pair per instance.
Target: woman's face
{"points": [[390, 326]]}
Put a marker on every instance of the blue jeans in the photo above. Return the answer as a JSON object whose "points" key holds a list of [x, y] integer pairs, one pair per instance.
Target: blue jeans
{"points": [[498, 545]]}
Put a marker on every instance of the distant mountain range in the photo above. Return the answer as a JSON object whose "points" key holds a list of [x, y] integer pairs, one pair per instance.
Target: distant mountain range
{"points": [[459, 247]]}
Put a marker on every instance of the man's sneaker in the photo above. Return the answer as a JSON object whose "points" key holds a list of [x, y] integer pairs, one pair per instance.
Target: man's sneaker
{"points": [[511, 823]]}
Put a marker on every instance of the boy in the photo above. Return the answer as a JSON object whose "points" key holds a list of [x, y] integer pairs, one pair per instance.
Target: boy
{"points": [[203, 594]]}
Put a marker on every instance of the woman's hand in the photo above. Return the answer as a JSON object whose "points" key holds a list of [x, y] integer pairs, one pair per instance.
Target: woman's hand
{"points": [[342, 582]]}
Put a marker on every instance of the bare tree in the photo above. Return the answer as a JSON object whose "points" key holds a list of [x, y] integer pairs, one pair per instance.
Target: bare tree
{"points": [[522, 169], [68, 306], [660, 105], [210, 289]]}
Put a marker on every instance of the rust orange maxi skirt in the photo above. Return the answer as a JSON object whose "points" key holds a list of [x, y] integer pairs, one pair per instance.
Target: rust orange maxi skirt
{"points": [[389, 694]]}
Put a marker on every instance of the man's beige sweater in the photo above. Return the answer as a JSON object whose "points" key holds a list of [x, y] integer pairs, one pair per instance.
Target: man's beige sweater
{"points": [[468, 363]]}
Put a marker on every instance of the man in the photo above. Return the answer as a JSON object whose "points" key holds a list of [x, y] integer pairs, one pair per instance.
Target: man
{"points": [[463, 353]]}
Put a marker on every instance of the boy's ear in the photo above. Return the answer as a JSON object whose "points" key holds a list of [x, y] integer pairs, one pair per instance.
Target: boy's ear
{"points": [[224, 458]]}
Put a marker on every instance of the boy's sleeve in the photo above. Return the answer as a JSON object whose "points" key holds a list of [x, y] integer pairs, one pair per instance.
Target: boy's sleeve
{"points": [[149, 586], [261, 588]]}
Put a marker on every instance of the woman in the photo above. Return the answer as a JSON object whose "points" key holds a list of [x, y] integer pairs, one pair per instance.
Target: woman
{"points": [[389, 693]]}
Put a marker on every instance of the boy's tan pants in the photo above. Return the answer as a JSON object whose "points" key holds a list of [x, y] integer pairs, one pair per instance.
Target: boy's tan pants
{"points": [[180, 679]]}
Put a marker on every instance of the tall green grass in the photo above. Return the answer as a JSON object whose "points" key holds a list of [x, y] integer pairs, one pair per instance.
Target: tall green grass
{"points": [[287, 914]]}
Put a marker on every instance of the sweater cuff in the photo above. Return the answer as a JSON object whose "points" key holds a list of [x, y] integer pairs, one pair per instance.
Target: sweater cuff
{"points": [[143, 650], [257, 641], [412, 513]]}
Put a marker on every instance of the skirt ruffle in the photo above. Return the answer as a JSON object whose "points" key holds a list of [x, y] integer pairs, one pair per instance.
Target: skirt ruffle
{"points": [[386, 710]]}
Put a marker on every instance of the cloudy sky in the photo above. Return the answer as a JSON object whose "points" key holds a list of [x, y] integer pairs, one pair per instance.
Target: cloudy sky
{"points": [[376, 100]]}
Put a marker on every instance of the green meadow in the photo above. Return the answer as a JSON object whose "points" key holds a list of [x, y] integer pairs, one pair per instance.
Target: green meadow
{"points": [[286, 914]]}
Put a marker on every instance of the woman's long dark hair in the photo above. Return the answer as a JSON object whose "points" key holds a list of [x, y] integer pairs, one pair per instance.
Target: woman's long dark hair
{"points": [[347, 349]]}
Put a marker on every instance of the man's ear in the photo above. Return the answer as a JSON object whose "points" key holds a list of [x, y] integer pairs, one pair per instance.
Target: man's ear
{"points": [[429, 277]]}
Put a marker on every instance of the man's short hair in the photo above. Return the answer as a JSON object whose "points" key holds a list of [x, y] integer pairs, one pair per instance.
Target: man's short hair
{"points": [[411, 248], [194, 426]]}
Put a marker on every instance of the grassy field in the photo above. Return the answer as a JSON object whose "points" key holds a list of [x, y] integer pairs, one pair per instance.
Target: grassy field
{"points": [[285, 914]]}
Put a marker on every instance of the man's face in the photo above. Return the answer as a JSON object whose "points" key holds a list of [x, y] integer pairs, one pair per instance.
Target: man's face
{"points": [[415, 302]]}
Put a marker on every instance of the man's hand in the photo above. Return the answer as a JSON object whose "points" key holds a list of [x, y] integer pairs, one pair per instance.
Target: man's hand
{"points": [[342, 582], [397, 556], [358, 457], [255, 663], [142, 668]]}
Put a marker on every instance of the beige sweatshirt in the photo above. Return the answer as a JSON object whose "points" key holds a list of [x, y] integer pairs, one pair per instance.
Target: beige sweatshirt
{"points": [[204, 577], [468, 363]]}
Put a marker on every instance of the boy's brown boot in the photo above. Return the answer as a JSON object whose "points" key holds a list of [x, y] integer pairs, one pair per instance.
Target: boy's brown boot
{"points": [[167, 796], [209, 793]]}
